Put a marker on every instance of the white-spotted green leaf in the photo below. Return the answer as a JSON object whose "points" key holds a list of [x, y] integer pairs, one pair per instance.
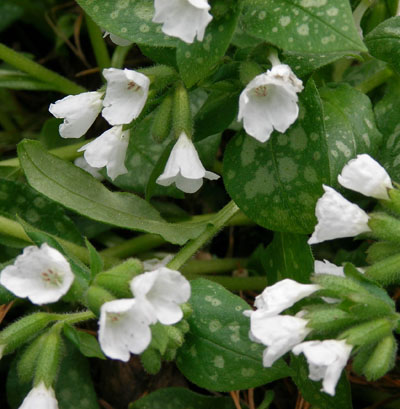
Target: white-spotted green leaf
{"points": [[310, 26], [204, 55], [384, 42], [217, 353], [129, 19], [77, 190], [279, 182]]}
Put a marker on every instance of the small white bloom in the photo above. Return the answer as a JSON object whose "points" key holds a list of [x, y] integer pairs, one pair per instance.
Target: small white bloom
{"points": [[81, 163], [41, 274], [326, 267], [40, 397], [126, 95], [280, 333], [109, 150], [365, 175], [337, 217], [269, 102], [79, 112], [161, 291], [326, 360], [124, 328], [282, 295], [184, 167], [117, 40], [155, 263], [184, 19]]}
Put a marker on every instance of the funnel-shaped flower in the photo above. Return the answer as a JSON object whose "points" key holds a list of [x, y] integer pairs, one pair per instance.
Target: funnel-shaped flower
{"points": [[41, 274], [365, 175], [40, 397], [184, 167], [269, 102], [184, 19], [79, 112]]}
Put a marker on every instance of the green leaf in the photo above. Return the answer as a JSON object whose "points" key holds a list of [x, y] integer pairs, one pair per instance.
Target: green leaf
{"points": [[181, 398], [13, 79], [288, 256], [128, 19], [78, 191], [317, 26], [86, 343], [311, 390], [384, 42], [96, 262], [204, 55], [217, 353], [20, 200], [279, 182]]}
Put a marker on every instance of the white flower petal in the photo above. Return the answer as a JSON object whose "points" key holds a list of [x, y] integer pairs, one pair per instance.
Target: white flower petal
{"points": [[365, 175], [40, 397], [41, 274], [279, 333], [79, 112], [117, 39], [184, 19], [124, 328], [109, 150], [269, 102], [81, 163], [282, 295], [126, 95], [184, 167], [337, 217], [326, 267], [164, 290], [326, 360]]}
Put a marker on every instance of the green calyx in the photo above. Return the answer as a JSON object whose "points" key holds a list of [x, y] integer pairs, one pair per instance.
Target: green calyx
{"points": [[181, 114], [384, 227], [96, 296]]}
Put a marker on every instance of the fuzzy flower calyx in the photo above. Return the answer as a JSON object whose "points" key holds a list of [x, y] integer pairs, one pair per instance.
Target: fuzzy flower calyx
{"points": [[78, 111], [269, 102], [184, 19], [109, 150], [41, 274], [184, 167], [40, 397], [126, 95], [326, 360], [337, 217], [365, 175], [162, 291]]}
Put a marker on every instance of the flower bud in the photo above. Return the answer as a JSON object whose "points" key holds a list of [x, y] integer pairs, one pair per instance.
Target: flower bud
{"points": [[21, 331], [162, 120], [170, 354], [386, 271], [384, 227], [175, 337], [117, 279], [151, 361], [187, 310], [27, 362], [96, 296], [380, 250]]}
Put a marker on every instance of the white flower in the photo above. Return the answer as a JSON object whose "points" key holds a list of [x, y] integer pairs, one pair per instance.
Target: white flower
{"points": [[365, 175], [269, 102], [117, 40], [81, 163], [337, 217], [109, 149], [79, 112], [40, 397], [156, 263], [41, 274], [126, 95], [279, 333], [184, 167], [184, 19], [161, 291], [325, 267], [124, 328], [282, 295], [326, 360]]}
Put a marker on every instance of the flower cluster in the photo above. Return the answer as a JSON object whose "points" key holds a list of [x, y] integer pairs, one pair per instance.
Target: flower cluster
{"points": [[124, 325], [123, 100], [337, 217]]}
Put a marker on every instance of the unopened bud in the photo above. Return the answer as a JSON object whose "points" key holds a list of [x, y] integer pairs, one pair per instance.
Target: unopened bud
{"points": [[175, 337], [170, 354], [162, 122], [27, 362], [386, 271], [151, 361], [380, 250], [187, 310], [384, 227]]}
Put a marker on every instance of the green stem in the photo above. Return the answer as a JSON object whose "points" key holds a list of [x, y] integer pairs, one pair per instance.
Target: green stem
{"points": [[17, 60], [217, 222], [69, 152], [375, 80], [98, 44], [75, 317], [119, 55], [213, 266], [236, 283]]}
